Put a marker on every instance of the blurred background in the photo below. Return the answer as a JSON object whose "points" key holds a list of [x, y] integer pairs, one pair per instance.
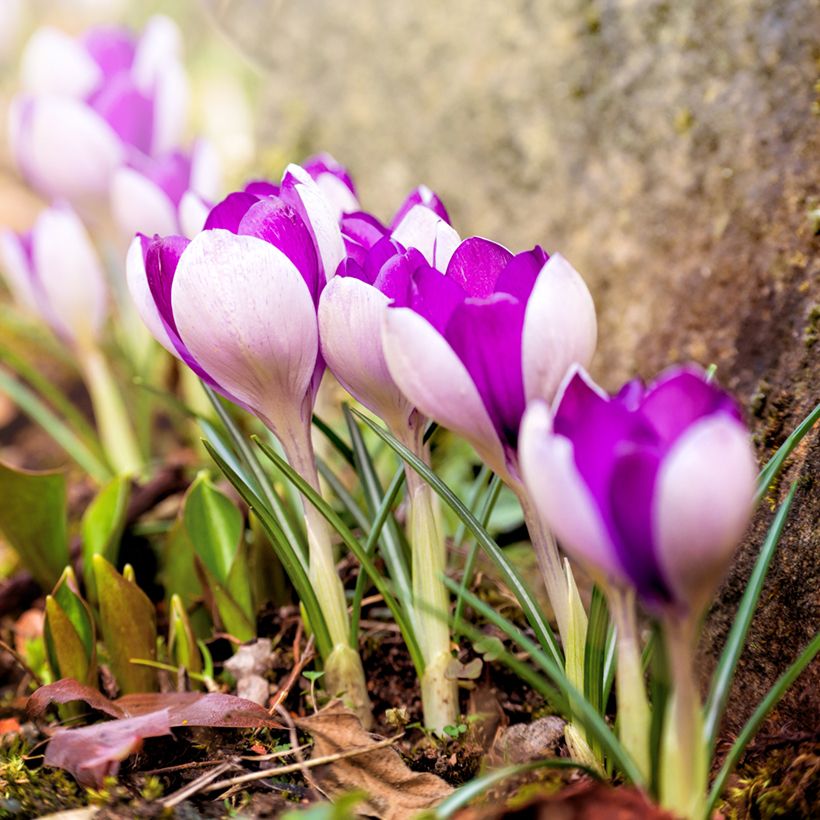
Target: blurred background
{"points": [[668, 149]]}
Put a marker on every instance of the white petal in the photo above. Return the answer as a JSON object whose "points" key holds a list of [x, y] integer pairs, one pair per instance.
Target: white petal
{"points": [[140, 205], [338, 194], [702, 505], [15, 265], [560, 495], [206, 170], [351, 313], [54, 63], [246, 315], [141, 295], [69, 150], [70, 274], [322, 218], [159, 46], [433, 378], [428, 233], [193, 211], [559, 328], [171, 97]]}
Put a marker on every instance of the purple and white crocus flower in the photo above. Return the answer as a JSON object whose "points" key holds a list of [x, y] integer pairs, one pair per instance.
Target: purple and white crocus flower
{"points": [[470, 348], [169, 194], [91, 104], [237, 304], [54, 272], [651, 488]]}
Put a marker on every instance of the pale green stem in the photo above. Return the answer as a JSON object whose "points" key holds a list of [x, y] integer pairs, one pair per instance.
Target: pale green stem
{"points": [[569, 611], [343, 666], [113, 424], [439, 694], [684, 766], [633, 706]]}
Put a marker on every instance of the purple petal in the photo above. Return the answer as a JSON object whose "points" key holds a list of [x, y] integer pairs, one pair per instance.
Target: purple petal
{"points": [[127, 110], [631, 394], [420, 196], [161, 259], [379, 254], [518, 277], [112, 48], [261, 187], [486, 336], [396, 274], [276, 222], [362, 228], [435, 297], [679, 398], [476, 265], [351, 268], [631, 494], [169, 172], [326, 164], [230, 212]]}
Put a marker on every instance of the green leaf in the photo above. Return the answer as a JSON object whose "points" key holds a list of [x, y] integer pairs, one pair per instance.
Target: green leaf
{"points": [[574, 704], [753, 724], [67, 656], [128, 625], [532, 610], [725, 672], [102, 527], [33, 520], [214, 525], [660, 687], [233, 615], [288, 554], [595, 654], [178, 572], [775, 464], [339, 445], [182, 646], [353, 545], [36, 409], [67, 594]]}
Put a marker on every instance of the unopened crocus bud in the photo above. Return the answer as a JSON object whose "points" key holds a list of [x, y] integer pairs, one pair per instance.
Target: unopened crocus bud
{"points": [[169, 194], [93, 103], [334, 181], [55, 272], [651, 488], [471, 347]]}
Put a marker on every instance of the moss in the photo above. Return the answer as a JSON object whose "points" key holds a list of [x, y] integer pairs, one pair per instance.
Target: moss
{"points": [[784, 786], [812, 328]]}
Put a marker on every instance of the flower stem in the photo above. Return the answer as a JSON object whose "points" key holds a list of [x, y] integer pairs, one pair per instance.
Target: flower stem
{"points": [[343, 666], [684, 765], [114, 426], [633, 705], [439, 694]]}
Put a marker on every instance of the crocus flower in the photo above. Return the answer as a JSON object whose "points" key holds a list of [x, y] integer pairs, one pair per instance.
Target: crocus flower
{"points": [[376, 273], [168, 194], [55, 272], [651, 488], [94, 103], [471, 347], [238, 302], [334, 181]]}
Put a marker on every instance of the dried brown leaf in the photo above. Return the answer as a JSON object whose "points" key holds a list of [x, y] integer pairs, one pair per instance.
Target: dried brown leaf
{"points": [[394, 791], [68, 691]]}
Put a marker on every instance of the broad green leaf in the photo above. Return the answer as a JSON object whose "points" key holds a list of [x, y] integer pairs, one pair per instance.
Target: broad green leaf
{"points": [[233, 617], [128, 625], [33, 520], [239, 584], [67, 655], [102, 527], [214, 525], [37, 410], [178, 559], [532, 611], [67, 594], [768, 703], [725, 672], [288, 552]]}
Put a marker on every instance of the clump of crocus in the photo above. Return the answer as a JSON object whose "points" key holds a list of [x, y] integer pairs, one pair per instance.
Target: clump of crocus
{"points": [[651, 490], [91, 104], [238, 305], [55, 273], [351, 313]]}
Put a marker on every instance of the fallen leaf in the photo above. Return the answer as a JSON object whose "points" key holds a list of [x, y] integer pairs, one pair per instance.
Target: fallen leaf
{"points": [[394, 791], [93, 752]]}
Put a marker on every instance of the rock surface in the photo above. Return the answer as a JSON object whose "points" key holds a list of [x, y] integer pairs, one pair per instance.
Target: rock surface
{"points": [[670, 150]]}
